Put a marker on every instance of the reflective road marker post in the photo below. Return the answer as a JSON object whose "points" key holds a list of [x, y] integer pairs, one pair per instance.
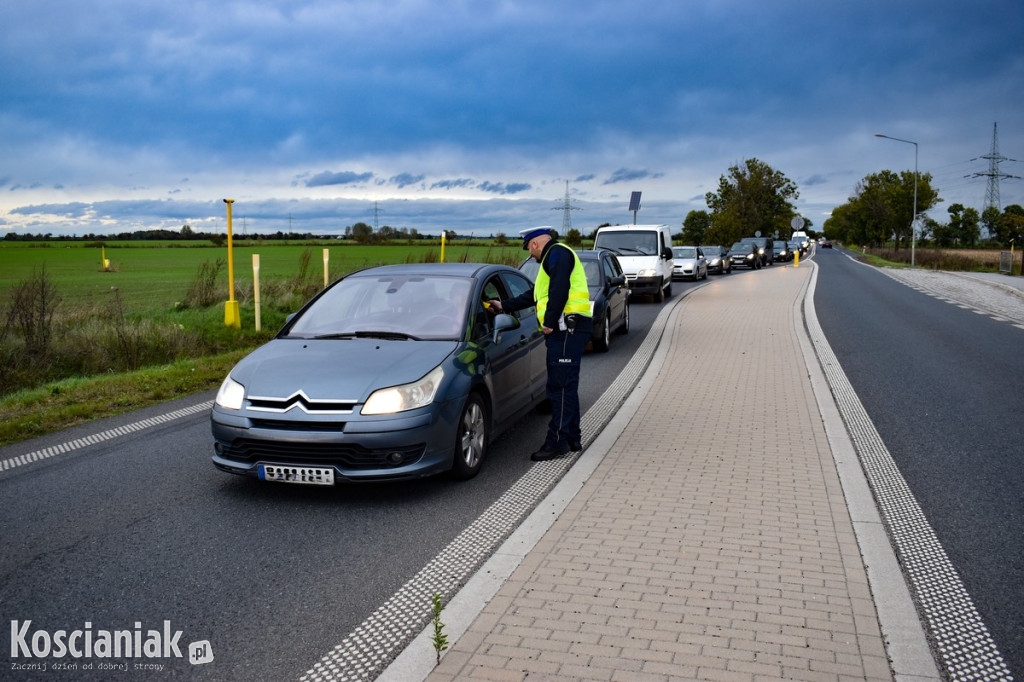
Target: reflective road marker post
{"points": [[231, 316]]}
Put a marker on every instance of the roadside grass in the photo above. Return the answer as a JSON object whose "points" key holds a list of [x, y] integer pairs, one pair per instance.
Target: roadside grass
{"points": [[35, 412], [953, 260]]}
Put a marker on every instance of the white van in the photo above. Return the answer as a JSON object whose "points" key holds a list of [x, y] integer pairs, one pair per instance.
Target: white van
{"points": [[801, 237], [645, 253]]}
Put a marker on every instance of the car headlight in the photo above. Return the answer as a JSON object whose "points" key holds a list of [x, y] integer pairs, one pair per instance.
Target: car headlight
{"points": [[230, 394], [407, 397], [648, 272], [749, 256]]}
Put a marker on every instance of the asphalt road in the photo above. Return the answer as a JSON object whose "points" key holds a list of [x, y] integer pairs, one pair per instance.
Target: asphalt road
{"points": [[943, 387], [143, 529]]}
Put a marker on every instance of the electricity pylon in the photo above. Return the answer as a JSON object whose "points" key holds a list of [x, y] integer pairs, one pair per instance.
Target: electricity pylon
{"points": [[567, 207], [994, 174]]}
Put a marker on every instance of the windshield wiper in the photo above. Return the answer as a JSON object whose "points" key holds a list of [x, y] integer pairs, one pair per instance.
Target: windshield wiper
{"points": [[365, 334], [394, 336]]}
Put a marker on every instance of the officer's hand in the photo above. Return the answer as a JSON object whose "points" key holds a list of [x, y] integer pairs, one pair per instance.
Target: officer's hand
{"points": [[546, 330], [493, 306]]}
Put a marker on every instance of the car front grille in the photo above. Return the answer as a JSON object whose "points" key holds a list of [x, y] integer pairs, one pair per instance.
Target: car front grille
{"points": [[345, 456], [302, 426]]}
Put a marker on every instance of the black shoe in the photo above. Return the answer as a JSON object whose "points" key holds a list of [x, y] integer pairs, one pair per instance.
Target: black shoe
{"points": [[547, 452], [575, 446]]}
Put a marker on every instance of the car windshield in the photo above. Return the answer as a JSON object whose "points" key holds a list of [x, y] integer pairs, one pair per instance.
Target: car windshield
{"points": [[629, 242], [712, 250], [780, 245], [684, 252], [388, 307], [740, 246], [592, 269]]}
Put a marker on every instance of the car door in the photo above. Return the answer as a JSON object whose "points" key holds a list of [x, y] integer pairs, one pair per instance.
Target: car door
{"points": [[616, 292], [506, 363], [530, 337]]}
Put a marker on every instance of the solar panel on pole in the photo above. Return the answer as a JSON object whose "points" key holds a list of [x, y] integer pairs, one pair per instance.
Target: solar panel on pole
{"points": [[634, 204]]}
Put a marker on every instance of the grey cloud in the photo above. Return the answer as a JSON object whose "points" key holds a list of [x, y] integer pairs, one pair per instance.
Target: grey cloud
{"points": [[340, 178], [629, 175], [406, 179], [502, 188], [452, 184]]}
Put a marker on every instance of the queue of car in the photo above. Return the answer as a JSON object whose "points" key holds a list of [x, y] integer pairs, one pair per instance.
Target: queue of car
{"points": [[401, 371]]}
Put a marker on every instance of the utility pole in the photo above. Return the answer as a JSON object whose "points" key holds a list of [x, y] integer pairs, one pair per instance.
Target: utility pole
{"points": [[567, 208], [376, 217], [993, 173]]}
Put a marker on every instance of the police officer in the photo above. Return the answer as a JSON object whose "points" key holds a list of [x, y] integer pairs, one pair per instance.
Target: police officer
{"points": [[563, 311]]}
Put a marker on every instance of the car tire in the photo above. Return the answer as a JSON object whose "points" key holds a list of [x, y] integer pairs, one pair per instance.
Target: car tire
{"points": [[470, 439], [603, 342], [667, 291], [624, 329]]}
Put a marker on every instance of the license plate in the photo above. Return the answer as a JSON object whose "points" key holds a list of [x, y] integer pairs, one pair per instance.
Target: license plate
{"points": [[303, 475]]}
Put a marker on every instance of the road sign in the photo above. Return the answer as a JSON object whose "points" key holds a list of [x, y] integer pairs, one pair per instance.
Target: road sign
{"points": [[797, 223]]}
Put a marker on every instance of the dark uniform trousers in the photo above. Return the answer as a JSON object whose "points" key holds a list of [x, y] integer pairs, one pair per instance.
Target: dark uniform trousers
{"points": [[564, 351]]}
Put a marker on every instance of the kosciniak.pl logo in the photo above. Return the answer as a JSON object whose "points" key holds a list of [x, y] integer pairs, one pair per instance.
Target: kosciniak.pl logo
{"points": [[86, 642]]}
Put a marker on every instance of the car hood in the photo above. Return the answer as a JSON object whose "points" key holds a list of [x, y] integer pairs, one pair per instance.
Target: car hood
{"points": [[336, 369]]}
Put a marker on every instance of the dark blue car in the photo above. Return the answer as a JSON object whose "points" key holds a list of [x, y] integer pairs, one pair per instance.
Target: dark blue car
{"points": [[609, 295], [393, 372]]}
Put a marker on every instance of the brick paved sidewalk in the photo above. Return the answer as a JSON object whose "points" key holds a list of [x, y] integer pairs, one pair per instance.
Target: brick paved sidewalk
{"points": [[713, 541]]}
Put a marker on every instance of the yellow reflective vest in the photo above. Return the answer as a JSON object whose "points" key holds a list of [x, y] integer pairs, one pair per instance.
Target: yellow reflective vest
{"points": [[579, 297]]}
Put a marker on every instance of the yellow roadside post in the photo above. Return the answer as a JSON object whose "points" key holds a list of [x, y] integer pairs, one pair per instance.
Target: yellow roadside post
{"points": [[256, 286], [231, 316], [442, 245], [796, 258], [326, 258], [104, 263]]}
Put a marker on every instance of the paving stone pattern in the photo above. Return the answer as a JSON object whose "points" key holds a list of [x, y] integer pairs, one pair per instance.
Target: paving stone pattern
{"points": [[713, 542]]}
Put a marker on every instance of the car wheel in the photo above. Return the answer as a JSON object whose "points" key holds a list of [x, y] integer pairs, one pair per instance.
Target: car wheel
{"points": [[624, 329], [660, 296], [668, 290], [471, 439], [604, 341]]}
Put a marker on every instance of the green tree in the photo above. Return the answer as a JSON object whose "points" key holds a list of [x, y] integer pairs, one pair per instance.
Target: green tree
{"points": [[695, 227], [1012, 226], [881, 208], [362, 233], [964, 224], [990, 220], [751, 198], [574, 238]]}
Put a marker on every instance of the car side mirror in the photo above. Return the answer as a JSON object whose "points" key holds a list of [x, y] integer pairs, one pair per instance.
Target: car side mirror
{"points": [[666, 253], [503, 322], [617, 281]]}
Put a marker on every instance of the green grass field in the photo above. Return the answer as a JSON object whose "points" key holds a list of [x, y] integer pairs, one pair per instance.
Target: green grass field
{"points": [[154, 276]]}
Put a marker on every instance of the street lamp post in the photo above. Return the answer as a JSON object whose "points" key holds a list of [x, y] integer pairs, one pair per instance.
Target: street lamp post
{"points": [[913, 220]]}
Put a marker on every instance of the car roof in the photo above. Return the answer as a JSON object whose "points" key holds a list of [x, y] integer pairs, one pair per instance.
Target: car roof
{"points": [[592, 254], [446, 269]]}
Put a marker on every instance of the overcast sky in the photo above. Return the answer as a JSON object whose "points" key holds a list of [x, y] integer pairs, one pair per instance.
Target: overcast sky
{"points": [[472, 115]]}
